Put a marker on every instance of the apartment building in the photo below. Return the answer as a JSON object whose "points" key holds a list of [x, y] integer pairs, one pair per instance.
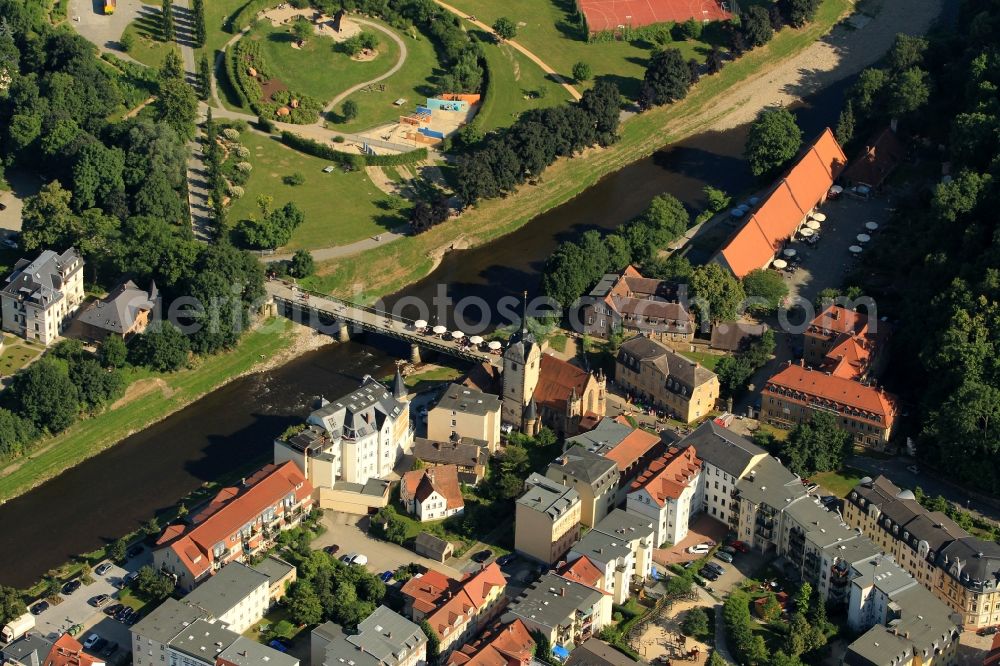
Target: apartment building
{"points": [[638, 532], [500, 645], [565, 612], [384, 638], [592, 476], [961, 570], [612, 557], [433, 493], [464, 411], [845, 343], [631, 449], [359, 437], [656, 373], [468, 455], [237, 596], [238, 523], [457, 610], [665, 493], [547, 519], [41, 296]]}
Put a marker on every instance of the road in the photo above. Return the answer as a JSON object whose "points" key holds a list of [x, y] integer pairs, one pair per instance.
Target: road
{"points": [[528, 54]]}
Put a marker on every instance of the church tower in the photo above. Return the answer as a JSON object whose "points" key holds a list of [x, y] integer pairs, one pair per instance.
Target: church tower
{"points": [[521, 366]]}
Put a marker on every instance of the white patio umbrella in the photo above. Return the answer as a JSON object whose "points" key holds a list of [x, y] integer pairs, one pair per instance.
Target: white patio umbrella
{"points": [[790, 252], [864, 238], [495, 344], [812, 224], [819, 217], [779, 264], [476, 340], [871, 226], [855, 249], [836, 189], [420, 323], [457, 335], [807, 232], [439, 329]]}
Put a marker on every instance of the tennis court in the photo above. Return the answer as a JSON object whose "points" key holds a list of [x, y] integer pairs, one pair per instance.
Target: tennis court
{"points": [[613, 14]]}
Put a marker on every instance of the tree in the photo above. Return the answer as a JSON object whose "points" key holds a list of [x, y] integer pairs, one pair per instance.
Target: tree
{"points": [[716, 294], [274, 228], [162, 347], [15, 433], [433, 641], [46, 395], [304, 604], [95, 385], [349, 110], [675, 268], [667, 79], [780, 658], [127, 41], [11, 604], [868, 91], [117, 550], [97, 175], [845, 124], [765, 290], [908, 92], [695, 623], [505, 28], [774, 139], [198, 8], [907, 52], [818, 445], [602, 105], [802, 598], [756, 652], [172, 66], [302, 29], [690, 29], [798, 12], [770, 610], [798, 631], [204, 77], [716, 659], [177, 105], [153, 585], [715, 61], [47, 219], [167, 20], [716, 198], [582, 72], [301, 264], [756, 25]]}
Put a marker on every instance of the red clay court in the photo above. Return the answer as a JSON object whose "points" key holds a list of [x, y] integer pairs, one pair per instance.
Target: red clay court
{"points": [[611, 14]]}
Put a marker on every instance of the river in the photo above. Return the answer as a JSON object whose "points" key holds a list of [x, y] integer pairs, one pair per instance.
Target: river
{"points": [[119, 489]]}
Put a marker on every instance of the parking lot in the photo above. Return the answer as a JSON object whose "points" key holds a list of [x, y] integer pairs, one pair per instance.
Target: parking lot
{"points": [[704, 528]]}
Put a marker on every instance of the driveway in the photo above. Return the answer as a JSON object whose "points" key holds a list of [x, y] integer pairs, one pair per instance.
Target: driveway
{"points": [[90, 21], [24, 185], [75, 608], [342, 529]]}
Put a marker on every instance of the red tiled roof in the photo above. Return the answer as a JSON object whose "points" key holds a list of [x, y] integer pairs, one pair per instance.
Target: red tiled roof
{"points": [[422, 483], [838, 319], [557, 380], [67, 651], [447, 602], [806, 184], [849, 358], [506, 645], [668, 476], [877, 161], [265, 489], [425, 590], [808, 386], [583, 570], [631, 449]]}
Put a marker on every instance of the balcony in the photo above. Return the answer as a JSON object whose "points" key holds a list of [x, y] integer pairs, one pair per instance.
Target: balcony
{"points": [[764, 533]]}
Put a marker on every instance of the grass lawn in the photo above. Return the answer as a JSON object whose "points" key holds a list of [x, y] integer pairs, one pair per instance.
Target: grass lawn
{"points": [[217, 12], [16, 354], [339, 207], [147, 47], [388, 268], [516, 85], [276, 615], [706, 359], [779, 434], [838, 483], [412, 83], [558, 342], [432, 376], [164, 394], [317, 69], [552, 34]]}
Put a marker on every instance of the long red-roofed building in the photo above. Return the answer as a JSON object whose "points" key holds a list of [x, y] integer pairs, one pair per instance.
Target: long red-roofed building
{"points": [[795, 393], [456, 610], [238, 522], [665, 493], [503, 645], [763, 233]]}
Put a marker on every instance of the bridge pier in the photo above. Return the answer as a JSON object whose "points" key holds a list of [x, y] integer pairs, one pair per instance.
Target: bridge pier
{"points": [[344, 334], [415, 354]]}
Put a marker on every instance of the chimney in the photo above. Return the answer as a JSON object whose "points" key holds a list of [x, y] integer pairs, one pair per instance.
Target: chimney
{"points": [[562, 591]]}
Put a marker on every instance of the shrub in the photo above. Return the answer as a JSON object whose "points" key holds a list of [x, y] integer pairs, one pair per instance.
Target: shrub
{"points": [[582, 71], [294, 179], [231, 133], [245, 167], [127, 41], [236, 191]]}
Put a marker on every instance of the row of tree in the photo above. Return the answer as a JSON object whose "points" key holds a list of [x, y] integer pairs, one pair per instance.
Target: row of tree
{"points": [[508, 158]]}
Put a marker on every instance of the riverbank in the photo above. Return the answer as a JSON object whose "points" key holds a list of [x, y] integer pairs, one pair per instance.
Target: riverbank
{"points": [[152, 397], [795, 63]]}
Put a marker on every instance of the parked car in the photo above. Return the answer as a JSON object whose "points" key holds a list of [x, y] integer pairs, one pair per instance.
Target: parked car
{"points": [[724, 556], [109, 649], [132, 618], [355, 558], [40, 608], [713, 566], [913, 469], [332, 549], [99, 600], [130, 578], [987, 631], [700, 549], [482, 556], [829, 500], [710, 574], [740, 546], [134, 551], [91, 641], [103, 568], [71, 586], [112, 611], [122, 613], [387, 576], [504, 560]]}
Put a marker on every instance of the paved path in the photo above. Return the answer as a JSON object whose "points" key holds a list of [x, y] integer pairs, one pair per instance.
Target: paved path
{"points": [[531, 56], [403, 52], [327, 253], [89, 19]]}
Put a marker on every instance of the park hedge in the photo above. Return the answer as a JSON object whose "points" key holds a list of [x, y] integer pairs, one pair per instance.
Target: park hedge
{"points": [[244, 16], [318, 149]]}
